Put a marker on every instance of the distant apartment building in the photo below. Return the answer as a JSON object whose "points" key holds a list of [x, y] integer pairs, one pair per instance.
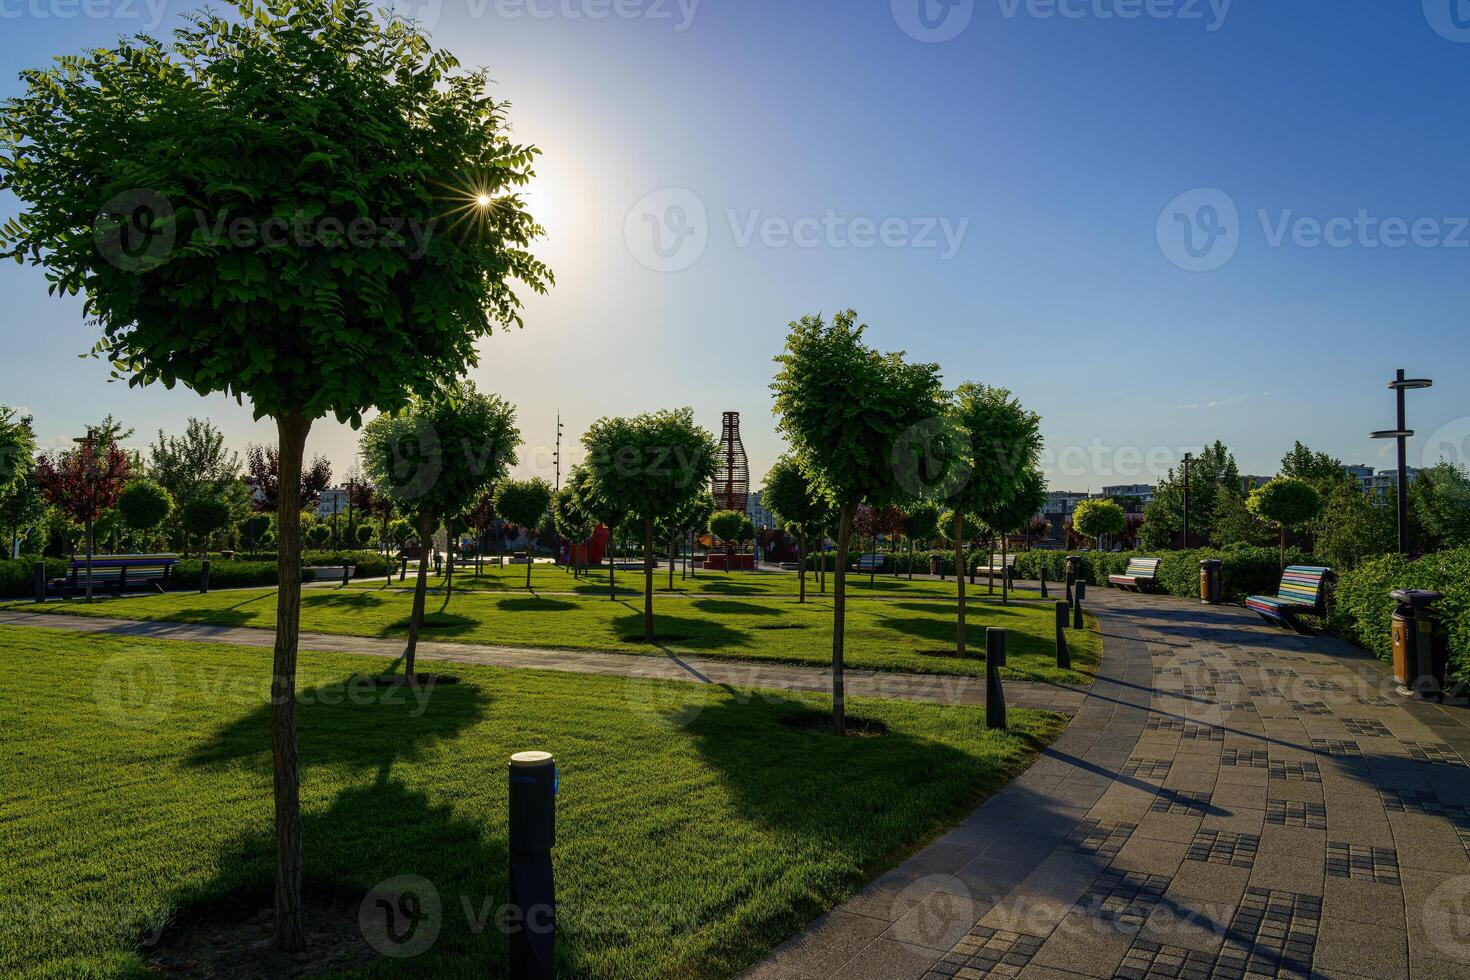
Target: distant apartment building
{"points": [[1378, 482], [759, 515], [1360, 472], [1143, 492], [1249, 483], [1063, 502], [333, 501]]}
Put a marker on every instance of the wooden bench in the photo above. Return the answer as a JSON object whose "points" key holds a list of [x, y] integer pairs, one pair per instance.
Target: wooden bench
{"points": [[998, 566], [1140, 572], [870, 563], [1303, 591], [117, 574]]}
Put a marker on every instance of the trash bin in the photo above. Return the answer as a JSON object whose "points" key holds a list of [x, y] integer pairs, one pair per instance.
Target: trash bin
{"points": [[1419, 653], [1074, 568], [1209, 581], [933, 564]]}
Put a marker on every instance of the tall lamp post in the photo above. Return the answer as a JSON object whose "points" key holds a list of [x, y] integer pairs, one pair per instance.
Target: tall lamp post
{"points": [[1188, 458], [88, 460], [1402, 433]]}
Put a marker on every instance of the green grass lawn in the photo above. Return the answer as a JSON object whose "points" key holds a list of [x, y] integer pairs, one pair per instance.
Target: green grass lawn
{"points": [[697, 829], [915, 635], [550, 578]]}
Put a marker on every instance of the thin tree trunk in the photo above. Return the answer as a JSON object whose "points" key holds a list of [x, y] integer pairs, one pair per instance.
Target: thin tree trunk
{"points": [[801, 567], [449, 554], [673, 550], [959, 580], [612, 572], [292, 431], [911, 559], [990, 572], [420, 589], [1283, 549], [530, 558], [839, 616], [648, 580], [1005, 574]]}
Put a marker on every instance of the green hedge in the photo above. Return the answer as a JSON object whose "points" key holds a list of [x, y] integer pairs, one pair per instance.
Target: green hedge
{"points": [[1246, 571], [1362, 610], [225, 574], [899, 563], [370, 564], [15, 575]]}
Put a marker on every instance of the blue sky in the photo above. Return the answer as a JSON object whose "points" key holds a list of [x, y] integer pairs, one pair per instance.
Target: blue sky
{"points": [[1011, 202]]}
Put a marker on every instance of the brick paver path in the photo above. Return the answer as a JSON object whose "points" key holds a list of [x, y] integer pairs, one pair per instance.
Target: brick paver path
{"points": [[671, 666], [1230, 801]]}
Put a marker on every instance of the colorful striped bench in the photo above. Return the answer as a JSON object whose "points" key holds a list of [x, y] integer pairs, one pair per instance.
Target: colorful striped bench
{"points": [[1303, 590], [1140, 572]]}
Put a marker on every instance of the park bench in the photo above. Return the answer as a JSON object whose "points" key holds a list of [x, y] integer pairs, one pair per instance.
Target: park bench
{"points": [[1140, 572], [1303, 591], [117, 574], [870, 563], [998, 566]]}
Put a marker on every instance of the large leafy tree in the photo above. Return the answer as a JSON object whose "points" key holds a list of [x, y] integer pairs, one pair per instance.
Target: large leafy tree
{"points": [[648, 467], [524, 503], [573, 521], [432, 458], [1286, 502], [920, 523], [1440, 500], [998, 446], [144, 504], [333, 140], [847, 409], [1353, 527], [1096, 518], [195, 464], [20, 496], [201, 517], [263, 464], [1213, 471], [727, 525], [801, 509]]}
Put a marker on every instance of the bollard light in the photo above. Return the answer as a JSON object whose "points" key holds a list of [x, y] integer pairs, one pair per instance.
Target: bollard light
{"points": [[38, 580], [1044, 594], [995, 695], [204, 576], [532, 834], [1077, 604], [1064, 656]]}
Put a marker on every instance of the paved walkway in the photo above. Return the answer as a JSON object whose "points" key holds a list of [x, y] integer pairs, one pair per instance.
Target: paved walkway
{"points": [[669, 666], [1229, 801]]}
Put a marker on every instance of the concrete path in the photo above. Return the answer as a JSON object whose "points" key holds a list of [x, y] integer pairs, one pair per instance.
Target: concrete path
{"points": [[1229, 801], [669, 666]]}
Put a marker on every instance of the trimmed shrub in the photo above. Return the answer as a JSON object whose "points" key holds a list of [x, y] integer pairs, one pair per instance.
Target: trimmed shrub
{"points": [[1245, 571], [1362, 610], [15, 575], [226, 574]]}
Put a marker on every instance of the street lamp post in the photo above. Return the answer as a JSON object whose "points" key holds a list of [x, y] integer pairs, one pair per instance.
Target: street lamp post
{"points": [[91, 484], [1188, 458], [1402, 434]]}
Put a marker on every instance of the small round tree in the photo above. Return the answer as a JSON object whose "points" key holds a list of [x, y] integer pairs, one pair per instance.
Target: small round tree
{"points": [[648, 467], [524, 503], [144, 505], [572, 522], [203, 516], [920, 522], [726, 526], [693, 514], [1285, 502], [795, 502], [1095, 518], [1028, 495], [430, 459]]}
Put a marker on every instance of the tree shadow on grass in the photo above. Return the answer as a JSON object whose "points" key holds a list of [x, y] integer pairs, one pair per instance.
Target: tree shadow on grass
{"points": [[725, 607], [205, 616], [437, 623], [352, 722], [871, 799], [688, 632], [534, 604], [343, 599]]}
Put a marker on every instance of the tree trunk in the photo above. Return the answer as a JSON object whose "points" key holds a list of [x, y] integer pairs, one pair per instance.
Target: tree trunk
{"points": [[911, 559], [530, 557], [1283, 549], [612, 572], [839, 616], [673, 550], [1005, 574], [873, 565], [959, 581], [990, 572], [648, 580], [801, 567], [292, 431], [420, 589], [449, 555]]}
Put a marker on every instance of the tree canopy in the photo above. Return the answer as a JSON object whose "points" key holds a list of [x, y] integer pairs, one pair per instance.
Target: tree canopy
{"points": [[1095, 518], [144, 504]]}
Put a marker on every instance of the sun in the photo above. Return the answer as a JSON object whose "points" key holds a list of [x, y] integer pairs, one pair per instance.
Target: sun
{"points": [[483, 200]]}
